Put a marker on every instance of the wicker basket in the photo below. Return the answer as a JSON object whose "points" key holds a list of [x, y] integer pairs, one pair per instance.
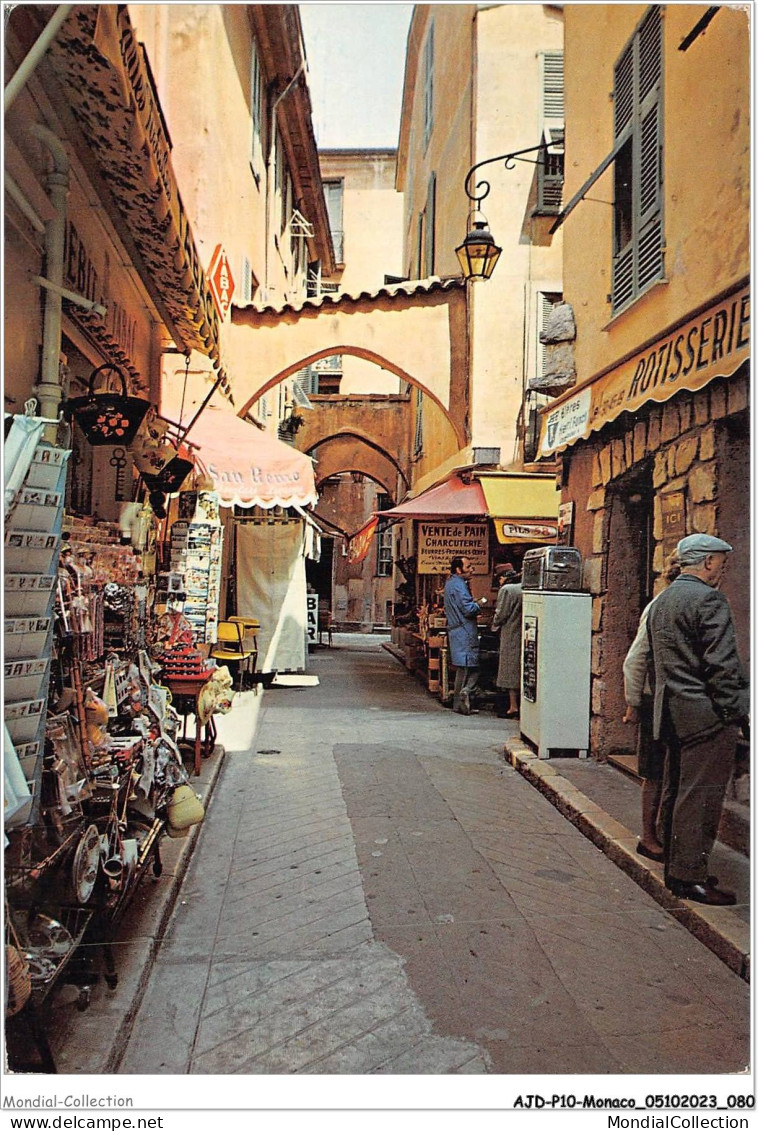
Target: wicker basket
{"points": [[19, 981]]}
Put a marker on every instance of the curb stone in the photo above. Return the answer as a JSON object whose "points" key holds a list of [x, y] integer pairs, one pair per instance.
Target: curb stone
{"points": [[718, 928]]}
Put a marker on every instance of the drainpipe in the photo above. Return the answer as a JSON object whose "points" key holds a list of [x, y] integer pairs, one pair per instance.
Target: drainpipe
{"points": [[270, 170], [29, 63], [48, 389]]}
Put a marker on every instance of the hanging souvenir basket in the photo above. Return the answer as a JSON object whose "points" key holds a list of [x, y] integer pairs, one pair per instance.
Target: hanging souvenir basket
{"points": [[170, 479], [107, 417]]}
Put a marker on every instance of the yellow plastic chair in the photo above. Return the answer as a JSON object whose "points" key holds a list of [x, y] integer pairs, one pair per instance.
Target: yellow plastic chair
{"points": [[230, 647]]}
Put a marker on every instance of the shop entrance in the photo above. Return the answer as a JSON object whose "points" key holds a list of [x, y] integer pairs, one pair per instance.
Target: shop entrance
{"points": [[629, 588]]}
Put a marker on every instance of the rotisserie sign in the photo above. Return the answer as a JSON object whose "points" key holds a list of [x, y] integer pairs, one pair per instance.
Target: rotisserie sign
{"points": [[438, 542]]}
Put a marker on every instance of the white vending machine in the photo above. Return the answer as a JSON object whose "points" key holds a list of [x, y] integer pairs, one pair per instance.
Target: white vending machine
{"points": [[555, 655]]}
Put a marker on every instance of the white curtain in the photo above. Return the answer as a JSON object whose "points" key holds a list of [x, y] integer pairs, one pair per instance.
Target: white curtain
{"points": [[270, 572]]}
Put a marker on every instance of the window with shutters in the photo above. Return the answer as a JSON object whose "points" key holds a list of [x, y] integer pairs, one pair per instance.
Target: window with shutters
{"points": [[546, 300], [334, 192], [383, 539], [638, 167], [257, 114], [428, 228], [552, 85], [429, 85]]}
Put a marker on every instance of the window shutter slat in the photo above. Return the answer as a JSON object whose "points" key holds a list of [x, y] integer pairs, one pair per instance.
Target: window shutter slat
{"points": [[650, 52], [552, 84], [623, 277], [623, 91], [649, 163], [650, 266]]}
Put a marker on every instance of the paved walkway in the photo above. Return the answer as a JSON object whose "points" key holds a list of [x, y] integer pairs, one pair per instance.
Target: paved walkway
{"points": [[375, 890]]}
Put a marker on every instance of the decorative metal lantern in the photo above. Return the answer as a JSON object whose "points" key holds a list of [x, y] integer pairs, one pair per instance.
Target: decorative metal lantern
{"points": [[107, 417]]}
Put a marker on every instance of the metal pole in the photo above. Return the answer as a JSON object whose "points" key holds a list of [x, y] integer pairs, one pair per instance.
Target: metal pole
{"points": [[29, 63]]}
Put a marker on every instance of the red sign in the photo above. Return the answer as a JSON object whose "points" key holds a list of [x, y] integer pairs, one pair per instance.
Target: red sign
{"points": [[220, 281]]}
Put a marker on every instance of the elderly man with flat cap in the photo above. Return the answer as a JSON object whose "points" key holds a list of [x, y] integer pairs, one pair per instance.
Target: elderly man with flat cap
{"points": [[701, 699]]}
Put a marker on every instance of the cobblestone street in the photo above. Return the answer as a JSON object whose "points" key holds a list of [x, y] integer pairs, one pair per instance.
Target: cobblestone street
{"points": [[375, 890]]}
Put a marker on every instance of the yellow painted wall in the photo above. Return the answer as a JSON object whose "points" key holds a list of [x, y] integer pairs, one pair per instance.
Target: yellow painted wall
{"points": [[201, 61], [706, 93], [487, 100], [510, 42], [373, 243]]}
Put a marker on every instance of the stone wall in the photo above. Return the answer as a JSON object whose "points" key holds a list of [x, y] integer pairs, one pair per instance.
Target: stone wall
{"points": [[681, 438]]}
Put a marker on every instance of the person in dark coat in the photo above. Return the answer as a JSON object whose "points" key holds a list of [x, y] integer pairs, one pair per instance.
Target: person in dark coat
{"points": [[508, 619], [639, 681], [461, 611], [701, 699]]}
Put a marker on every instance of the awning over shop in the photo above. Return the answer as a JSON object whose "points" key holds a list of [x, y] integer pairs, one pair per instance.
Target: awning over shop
{"points": [[454, 498], [524, 508], [250, 468], [713, 342]]}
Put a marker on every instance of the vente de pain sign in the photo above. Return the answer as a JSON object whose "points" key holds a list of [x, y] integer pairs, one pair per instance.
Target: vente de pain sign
{"points": [[439, 542], [712, 344]]}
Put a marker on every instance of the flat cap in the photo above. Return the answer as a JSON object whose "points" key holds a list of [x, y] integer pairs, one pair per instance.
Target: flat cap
{"points": [[695, 547]]}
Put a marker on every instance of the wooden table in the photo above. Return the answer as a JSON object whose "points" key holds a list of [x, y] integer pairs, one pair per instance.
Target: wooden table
{"points": [[184, 692]]}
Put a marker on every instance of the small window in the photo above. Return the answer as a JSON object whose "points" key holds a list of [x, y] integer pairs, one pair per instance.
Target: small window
{"points": [[334, 192], [546, 300], [550, 179], [257, 114], [383, 539]]}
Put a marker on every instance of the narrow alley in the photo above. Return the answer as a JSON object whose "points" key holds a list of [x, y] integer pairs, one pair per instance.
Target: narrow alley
{"points": [[375, 890]]}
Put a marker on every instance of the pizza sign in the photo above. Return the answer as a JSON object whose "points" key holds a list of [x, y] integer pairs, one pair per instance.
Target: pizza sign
{"points": [[220, 281]]}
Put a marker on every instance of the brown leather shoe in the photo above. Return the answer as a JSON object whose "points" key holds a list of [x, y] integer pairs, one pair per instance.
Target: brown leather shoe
{"points": [[702, 893]]}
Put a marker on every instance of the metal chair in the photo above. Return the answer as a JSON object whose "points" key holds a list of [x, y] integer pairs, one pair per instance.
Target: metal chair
{"points": [[230, 646], [250, 628]]}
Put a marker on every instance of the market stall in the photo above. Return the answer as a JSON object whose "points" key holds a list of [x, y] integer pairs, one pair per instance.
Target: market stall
{"points": [[96, 647], [489, 518]]}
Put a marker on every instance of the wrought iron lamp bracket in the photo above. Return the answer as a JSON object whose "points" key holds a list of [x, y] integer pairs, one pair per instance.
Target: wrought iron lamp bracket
{"points": [[509, 160]]}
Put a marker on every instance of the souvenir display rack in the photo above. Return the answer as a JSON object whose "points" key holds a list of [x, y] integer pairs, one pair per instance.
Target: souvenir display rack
{"points": [[196, 546], [32, 541], [110, 768]]}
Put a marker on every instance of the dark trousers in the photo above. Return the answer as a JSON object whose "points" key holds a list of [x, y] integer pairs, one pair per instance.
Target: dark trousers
{"points": [[695, 778], [466, 680]]}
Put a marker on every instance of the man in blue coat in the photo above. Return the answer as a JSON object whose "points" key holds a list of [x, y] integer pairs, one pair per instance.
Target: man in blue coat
{"points": [[701, 699], [461, 611]]}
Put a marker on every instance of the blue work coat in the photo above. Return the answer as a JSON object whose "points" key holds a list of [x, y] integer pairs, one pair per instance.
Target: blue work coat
{"points": [[461, 611]]}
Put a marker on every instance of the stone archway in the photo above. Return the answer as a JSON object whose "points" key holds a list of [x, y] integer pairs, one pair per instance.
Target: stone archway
{"points": [[348, 452], [417, 331]]}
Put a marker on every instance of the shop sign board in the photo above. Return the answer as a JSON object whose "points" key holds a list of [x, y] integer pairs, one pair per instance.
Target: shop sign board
{"points": [[525, 531], [566, 524], [312, 617], [220, 281], [713, 343], [673, 520], [438, 542]]}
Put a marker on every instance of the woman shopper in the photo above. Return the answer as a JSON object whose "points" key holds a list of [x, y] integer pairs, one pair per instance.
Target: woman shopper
{"points": [[508, 619]]}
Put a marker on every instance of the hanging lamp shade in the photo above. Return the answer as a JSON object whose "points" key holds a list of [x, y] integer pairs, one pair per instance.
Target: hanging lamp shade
{"points": [[478, 254]]}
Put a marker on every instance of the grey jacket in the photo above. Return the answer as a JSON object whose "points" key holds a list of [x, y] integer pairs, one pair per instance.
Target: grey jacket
{"points": [[698, 673]]}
